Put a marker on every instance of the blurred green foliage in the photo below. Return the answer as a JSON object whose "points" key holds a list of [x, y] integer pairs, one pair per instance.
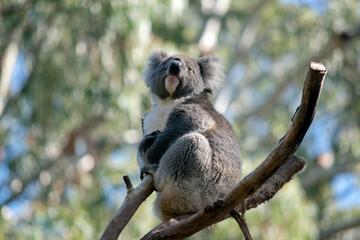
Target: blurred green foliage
{"points": [[70, 133]]}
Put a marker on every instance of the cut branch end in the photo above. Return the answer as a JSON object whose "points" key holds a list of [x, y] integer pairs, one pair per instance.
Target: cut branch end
{"points": [[318, 67]]}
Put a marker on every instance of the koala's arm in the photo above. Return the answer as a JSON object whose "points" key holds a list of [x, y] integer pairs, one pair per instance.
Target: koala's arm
{"points": [[180, 122], [177, 125]]}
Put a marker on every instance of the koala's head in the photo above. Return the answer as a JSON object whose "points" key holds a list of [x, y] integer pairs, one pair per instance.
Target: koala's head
{"points": [[179, 76]]}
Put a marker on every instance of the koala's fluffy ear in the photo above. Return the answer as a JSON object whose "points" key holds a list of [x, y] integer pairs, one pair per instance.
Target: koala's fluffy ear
{"points": [[153, 61], [212, 71]]}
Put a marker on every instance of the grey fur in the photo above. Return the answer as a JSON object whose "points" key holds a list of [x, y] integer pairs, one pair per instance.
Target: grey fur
{"points": [[212, 72], [189, 148]]}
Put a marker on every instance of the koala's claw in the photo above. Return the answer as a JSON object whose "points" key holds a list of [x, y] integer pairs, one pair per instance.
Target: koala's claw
{"points": [[142, 174], [148, 169]]}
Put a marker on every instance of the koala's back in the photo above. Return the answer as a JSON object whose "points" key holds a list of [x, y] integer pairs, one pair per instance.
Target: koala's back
{"points": [[218, 132]]}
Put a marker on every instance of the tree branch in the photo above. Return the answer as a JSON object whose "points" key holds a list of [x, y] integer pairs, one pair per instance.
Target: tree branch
{"points": [[283, 175], [133, 200], [326, 234]]}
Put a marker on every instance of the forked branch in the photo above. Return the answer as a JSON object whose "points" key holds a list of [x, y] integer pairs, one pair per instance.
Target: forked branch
{"points": [[258, 186]]}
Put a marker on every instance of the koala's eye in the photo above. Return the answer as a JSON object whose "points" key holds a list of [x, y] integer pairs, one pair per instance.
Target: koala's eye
{"points": [[190, 69]]}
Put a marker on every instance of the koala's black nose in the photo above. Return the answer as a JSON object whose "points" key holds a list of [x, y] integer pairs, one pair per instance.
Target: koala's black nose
{"points": [[175, 66]]}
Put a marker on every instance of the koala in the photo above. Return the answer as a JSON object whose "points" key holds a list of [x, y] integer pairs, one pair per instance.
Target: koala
{"points": [[190, 149]]}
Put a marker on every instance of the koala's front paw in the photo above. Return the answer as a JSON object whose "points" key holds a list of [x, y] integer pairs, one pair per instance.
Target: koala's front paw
{"points": [[148, 169], [147, 142]]}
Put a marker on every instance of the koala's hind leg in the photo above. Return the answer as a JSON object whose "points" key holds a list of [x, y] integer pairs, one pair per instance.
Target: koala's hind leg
{"points": [[181, 176], [188, 157]]}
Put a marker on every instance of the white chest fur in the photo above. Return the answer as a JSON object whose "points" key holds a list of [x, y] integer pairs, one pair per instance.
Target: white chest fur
{"points": [[157, 117]]}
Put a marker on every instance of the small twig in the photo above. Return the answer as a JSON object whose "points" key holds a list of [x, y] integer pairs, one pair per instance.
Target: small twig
{"points": [[128, 184], [242, 224]]}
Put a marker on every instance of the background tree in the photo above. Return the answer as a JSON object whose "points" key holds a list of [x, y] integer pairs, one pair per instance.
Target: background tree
{"points": [[72, 98]]}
